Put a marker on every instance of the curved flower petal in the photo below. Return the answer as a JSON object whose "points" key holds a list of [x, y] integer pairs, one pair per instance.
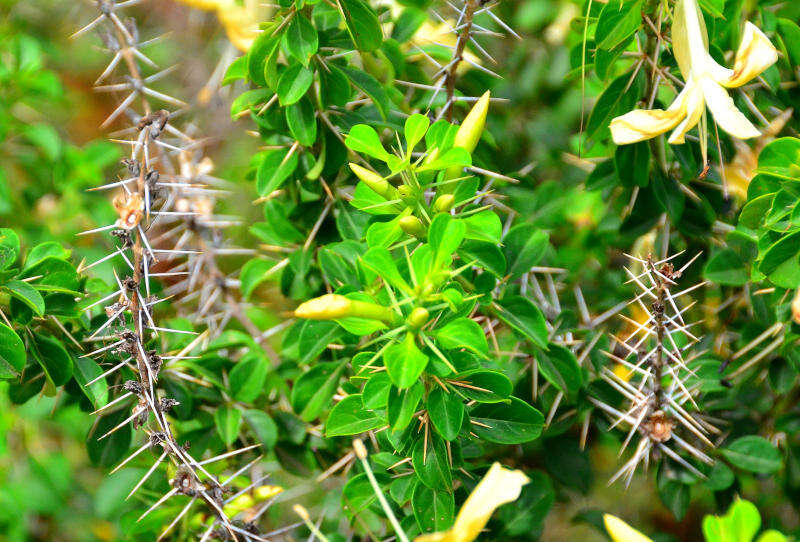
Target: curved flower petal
{"points": [[641, 124], [756, 53], [619, 531], [695, 105], [725, 113], [499, 486]]}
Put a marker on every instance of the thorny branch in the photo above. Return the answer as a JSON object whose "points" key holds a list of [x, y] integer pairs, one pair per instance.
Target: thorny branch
{"points": [[148, 198]]}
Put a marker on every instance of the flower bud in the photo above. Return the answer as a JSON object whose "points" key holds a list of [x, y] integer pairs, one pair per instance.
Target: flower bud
{"points": [[406, 194], [444, 203], [327, 307], [334, 306], [418, 317], [413, 226], [796, 307], [378, 184], [470, 131], [468, 135]]}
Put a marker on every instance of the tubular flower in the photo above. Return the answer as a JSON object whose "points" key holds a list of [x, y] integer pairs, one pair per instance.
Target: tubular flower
{"points": [[706, 82], [498, 487], [619, 531]]}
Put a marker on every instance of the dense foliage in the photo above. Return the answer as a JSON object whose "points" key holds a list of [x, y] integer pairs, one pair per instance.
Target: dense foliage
{"points": [[327, 274]]}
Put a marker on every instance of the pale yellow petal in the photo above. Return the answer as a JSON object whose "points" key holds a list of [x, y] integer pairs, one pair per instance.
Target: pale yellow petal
{"points": [[756, 53], [725, 113], [641, 124], [695, 105], [619, 531], [689, 38], [499, 486]]}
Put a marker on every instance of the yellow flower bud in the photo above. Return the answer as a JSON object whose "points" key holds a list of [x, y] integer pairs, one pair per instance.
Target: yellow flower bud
{"points": [[378, 184], [413, 226], [334, 306], [467, 136], [418, 317], [327, 307], [444, 203], [470, 131]]}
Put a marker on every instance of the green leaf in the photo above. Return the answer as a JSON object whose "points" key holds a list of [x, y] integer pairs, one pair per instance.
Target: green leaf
{"points": [[363, 139], [632, 163], [402, 404], [263, 47], [27, 294], [484, 386], [369, 86], [349, 417], [431, 464], [790, 33], [404, 362], [12, 353], [246, 379], [524, 317], [54, 359], [302, 122], [781, 159], [781, 261], [484, 226], [619, 97], [753, 453], [726, 267], [254, 272], [433, 508], [357, 495], [739, 524], [46, 250], [375, 394], [263, 426], [446, 411], [109, 451], [313, 391], [9, 248], [362, 24], [380, 261], [445, 235], [415, 127], [86, 370], [714, 7], [525, 246], [617, 22], [463, 333], [273, 170], [45, 138], [300, 38], [515, 422], [228, 421], [560, 367], [294, 83], [315, 336]]}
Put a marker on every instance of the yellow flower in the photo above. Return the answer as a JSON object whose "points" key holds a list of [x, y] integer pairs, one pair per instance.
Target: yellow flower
{"points": [[705, 83], [498, 487], [619, 531], [240, 20]]}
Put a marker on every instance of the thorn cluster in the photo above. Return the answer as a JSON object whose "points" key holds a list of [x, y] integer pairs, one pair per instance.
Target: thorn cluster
{"points": [[654, 375], [465, 28], [155, 197]]}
